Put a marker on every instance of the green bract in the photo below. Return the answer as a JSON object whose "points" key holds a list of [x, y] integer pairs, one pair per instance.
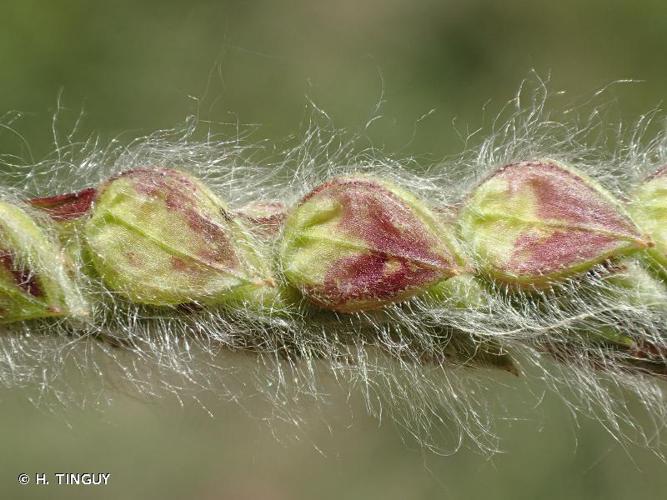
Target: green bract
{"points": [[34, 279], [357, 243], [159, 236], [67, 213], [535, 222], [649, 208]]}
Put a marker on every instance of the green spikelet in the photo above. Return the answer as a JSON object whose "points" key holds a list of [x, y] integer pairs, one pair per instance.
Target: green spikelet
{"points": [[35, 273]]}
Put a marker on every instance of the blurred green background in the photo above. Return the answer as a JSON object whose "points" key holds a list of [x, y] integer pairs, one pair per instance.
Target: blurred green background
{"points": [[134, 67]]}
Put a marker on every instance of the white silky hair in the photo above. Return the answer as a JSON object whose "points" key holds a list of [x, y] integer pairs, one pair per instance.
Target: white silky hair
{"points": [[392, 359]]}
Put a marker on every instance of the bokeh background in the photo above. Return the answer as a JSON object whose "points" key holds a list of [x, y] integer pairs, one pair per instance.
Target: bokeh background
{"points": [[136, 66]]}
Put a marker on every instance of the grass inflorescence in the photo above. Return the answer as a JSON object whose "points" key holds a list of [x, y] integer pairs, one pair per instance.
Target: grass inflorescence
{"points": [[430, 355]]}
